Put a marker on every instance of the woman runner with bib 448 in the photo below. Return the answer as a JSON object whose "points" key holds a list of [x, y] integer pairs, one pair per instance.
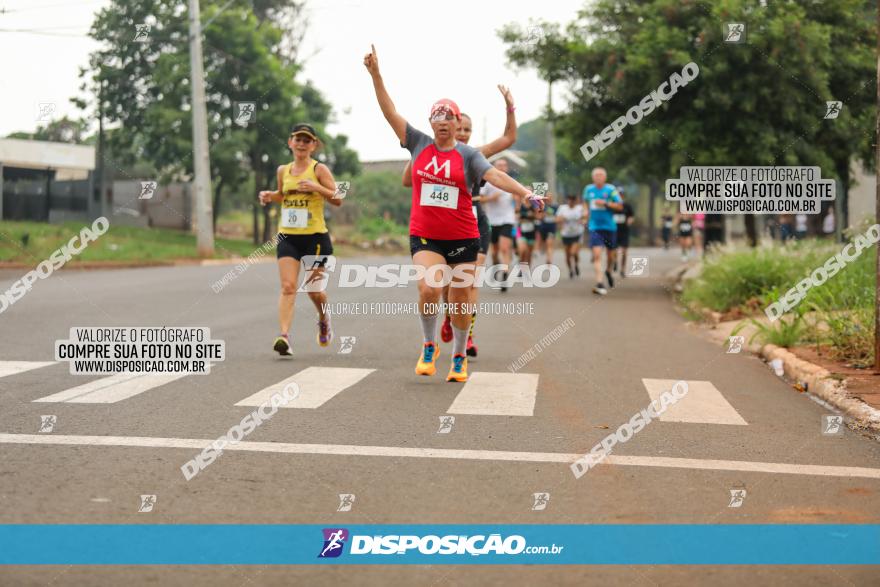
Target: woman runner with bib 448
{"points": [[304, 185], [443, 228]]}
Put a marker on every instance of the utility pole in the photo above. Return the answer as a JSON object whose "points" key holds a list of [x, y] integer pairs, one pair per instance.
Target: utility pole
{"points": [[102, 195], [877, 206], [201, 161], [550, 162]]}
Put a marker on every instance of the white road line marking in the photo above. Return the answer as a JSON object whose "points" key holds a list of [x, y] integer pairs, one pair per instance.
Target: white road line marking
{"points": [[443, 453], [497, 394], [317, 385], [15, 367], [112, 389], [703, 403]]}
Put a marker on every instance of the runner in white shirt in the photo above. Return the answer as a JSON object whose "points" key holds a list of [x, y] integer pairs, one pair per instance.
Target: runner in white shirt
{"points": [[570, 219], [500, 207], [800, 226]]}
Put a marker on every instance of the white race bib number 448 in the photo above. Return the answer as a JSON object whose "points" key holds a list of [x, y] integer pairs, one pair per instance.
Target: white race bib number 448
{"points": [[294, 217], [443, 196]]}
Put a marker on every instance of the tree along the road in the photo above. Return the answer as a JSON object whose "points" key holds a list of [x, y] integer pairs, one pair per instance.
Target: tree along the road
{"points": [[63, 130], [249, 57], [759, 102], [532, 138]]}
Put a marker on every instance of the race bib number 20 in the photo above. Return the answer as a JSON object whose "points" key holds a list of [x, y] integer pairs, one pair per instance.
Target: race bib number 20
{"points": [[443, 196], [294, 217]]}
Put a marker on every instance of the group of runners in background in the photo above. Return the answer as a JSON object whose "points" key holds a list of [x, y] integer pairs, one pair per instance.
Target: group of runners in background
{"points": [[599, 217], [464, 209]]}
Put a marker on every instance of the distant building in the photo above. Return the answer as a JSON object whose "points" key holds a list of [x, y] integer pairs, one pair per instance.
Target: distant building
{"points": [[45, 181], [395, 165]]}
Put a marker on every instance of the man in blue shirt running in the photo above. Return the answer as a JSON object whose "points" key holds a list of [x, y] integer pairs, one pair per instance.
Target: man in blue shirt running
{"points": [[602, 202]]}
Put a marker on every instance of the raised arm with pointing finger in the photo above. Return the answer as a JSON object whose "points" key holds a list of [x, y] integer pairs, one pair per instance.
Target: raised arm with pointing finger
{"points": [[397, 122]]}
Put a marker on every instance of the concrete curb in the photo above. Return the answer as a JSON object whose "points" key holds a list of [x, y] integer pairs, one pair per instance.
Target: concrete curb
{"points": [[818, 381], [812, 378]]}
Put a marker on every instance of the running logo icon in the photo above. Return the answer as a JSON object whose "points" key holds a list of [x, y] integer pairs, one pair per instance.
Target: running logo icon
{"points": [[735, 344], [638, 266], [534, 35], [541, 501], [346, 500], [148, 189], [244, 113], [832, 425], [45, 110], [334, 541], [316, 275], [342, 188], [540, 188], [346, 344], [147, 503], [141, 33], [735, 33], [832, 109], [47, 423], [737, 497], [446, 424]]}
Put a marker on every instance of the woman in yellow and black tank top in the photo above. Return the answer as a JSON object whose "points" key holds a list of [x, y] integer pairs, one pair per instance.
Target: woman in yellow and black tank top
{"points": [[302, 212], [304, 186]]}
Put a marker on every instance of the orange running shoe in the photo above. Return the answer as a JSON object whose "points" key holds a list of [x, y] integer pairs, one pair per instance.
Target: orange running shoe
{"points": [[428, 359], [458, 371]]}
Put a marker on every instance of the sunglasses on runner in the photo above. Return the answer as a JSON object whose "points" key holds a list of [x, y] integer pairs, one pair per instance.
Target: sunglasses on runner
{"points": [[302, 138], [444, 110], [441, 115]]}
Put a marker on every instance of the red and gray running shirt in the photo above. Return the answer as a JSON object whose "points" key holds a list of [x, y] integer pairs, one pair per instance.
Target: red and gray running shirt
{"points": [[441, 197]]}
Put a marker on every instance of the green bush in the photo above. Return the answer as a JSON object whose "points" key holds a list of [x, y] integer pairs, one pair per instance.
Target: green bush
{"points": [[750, 279], [845, 306], [785, 332], [732, 277], [372, 227]]}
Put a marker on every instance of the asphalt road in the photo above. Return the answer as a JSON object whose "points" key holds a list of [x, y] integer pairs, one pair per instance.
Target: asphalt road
{"points": [[743, 429]]}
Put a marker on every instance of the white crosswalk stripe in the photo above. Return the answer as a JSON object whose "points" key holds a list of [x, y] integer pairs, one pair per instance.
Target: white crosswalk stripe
{"points": [[317, 386], [112, 389], [15, 367], [703, 403], [484, 394], [497, 394]]}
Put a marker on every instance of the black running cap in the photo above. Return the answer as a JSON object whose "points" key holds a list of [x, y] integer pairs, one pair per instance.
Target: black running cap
{"points": [[304, 129]]}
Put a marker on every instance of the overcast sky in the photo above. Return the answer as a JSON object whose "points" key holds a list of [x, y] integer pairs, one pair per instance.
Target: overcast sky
{"points": [[42, 66]]}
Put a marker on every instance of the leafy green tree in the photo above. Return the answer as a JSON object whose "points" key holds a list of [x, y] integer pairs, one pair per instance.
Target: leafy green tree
{"points": [[63, 130], [382, 193], [144, 88], [532, 139], [761, 102]]}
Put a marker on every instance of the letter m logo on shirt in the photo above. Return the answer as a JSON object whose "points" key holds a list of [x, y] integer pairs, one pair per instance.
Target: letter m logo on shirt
{"points": [[433, 164]]}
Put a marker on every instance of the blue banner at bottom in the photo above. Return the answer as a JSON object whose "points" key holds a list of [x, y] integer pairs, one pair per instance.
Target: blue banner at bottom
{"points": [[614, 544]]}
